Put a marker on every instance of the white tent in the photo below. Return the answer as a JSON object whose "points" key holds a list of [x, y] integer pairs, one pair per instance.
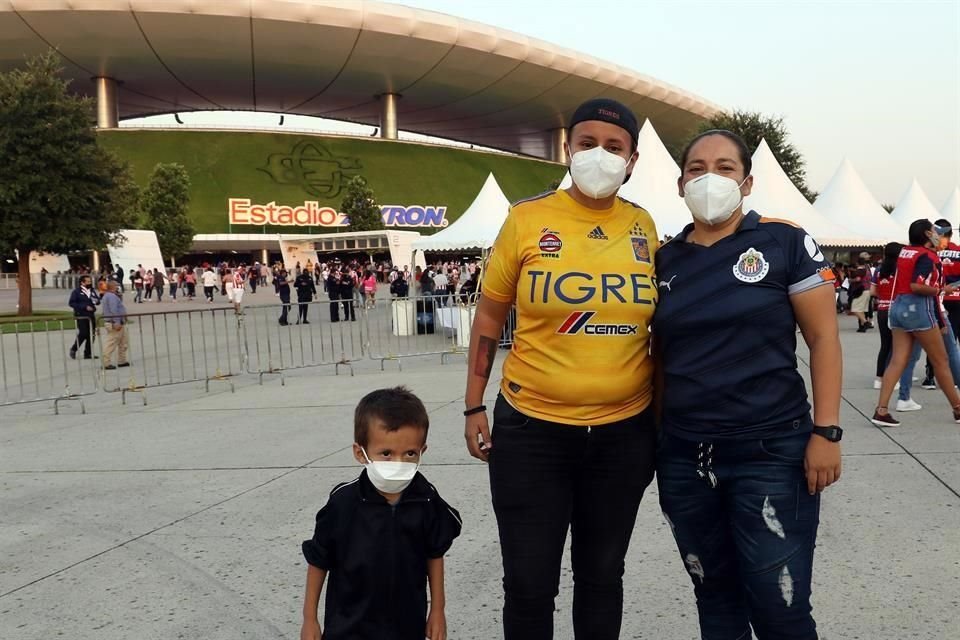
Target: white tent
{"points": [[951, 208], [847, 201], [477, 228], [914, 205], [653, 184], [775, 196]]}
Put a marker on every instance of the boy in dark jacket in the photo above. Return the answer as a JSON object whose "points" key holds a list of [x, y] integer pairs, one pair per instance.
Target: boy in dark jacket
{"points": [[382, 537]]}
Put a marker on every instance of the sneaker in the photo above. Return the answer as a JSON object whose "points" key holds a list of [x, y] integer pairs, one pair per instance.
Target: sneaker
{"points": [[123, 364], [928, 384], [908, 405], [956, 415], [887, 420], [877, 383], [109, 367]]}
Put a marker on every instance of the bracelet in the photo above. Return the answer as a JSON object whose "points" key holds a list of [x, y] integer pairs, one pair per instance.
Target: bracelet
{"points": [[479, 409]]}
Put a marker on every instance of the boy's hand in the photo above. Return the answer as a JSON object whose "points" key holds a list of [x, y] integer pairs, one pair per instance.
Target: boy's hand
{"points": [[437, 625], [311, 630]]}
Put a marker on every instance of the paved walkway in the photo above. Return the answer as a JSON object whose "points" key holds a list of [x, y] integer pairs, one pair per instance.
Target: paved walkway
{"points": [[183, 519]]}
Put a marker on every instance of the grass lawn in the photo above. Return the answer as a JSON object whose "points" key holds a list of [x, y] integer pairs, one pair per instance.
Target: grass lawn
{"points": [[39, 321]]}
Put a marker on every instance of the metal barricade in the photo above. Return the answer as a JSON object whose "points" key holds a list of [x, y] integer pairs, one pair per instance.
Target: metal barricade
{"points": [[36, 363], [175, 347], [333, 335], [419, 326]]}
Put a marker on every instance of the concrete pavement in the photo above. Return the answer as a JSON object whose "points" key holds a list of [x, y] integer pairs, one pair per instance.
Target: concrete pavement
{"points": [[183, 519]]}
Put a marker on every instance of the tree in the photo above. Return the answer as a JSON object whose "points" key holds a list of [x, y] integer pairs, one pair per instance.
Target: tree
{"points": [[59, 191], [360, 205], [754, 127], [165, 202]]}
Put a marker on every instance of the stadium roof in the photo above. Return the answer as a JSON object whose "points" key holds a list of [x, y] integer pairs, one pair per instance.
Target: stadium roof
{"points": [[458, 79]]}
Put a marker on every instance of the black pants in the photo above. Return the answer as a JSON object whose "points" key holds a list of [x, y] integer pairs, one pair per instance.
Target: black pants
{"points": [[348, 310], [285, 299], [304, 307], [886, 343], [546, 478], [253, 285], [84, 336], [208, 293], [334, 310]]}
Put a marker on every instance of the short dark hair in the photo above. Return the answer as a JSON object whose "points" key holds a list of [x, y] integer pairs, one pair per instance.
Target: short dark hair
{"points": [[393, 408], [943, 223], [918, 232], [742, 149]]}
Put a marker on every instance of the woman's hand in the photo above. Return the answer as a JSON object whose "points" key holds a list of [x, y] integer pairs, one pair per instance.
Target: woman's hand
{"points": [[477, 433], [821, 463], [436, 625]]}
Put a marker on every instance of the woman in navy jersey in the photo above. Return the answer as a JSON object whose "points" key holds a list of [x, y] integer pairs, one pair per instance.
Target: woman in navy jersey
{"points": [[741, 464], [916, 316]]}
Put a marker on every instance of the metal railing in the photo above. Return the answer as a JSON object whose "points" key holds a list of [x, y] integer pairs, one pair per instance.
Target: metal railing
{"points": [[64, 281], [36, 363], [418, 326], [276, 339], [175, 347], [219, 345]]}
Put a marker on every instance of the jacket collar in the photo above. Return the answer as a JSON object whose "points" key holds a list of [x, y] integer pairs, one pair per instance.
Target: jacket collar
{"points": [[751, 220]]}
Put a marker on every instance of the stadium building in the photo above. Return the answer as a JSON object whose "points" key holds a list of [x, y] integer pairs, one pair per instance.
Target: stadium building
{"points": [[502, 99]]}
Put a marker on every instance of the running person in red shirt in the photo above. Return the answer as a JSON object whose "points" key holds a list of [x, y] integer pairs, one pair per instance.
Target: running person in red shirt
{"points": [[882, 290], [950, 258], [915, 315]]}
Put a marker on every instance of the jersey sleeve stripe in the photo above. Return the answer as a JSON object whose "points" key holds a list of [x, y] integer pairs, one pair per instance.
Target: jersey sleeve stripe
{"points": [[812, 282]]}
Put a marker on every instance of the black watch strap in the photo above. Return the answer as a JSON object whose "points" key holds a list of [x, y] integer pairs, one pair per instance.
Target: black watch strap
{"points": [[478, 409], [833, 433]]}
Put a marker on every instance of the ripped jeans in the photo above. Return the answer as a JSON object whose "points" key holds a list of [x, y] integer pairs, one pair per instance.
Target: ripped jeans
{"points": [[748, 541]]}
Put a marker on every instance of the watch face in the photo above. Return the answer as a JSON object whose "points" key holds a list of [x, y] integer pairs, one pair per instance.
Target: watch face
{"points": [[833, 434]]}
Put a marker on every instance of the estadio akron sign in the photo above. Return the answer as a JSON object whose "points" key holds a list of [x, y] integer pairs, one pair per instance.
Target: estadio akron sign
{"points": [[242, 211]]}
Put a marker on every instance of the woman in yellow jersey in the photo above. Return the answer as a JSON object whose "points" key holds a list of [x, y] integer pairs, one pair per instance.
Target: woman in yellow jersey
{"points": [[572, 444]]}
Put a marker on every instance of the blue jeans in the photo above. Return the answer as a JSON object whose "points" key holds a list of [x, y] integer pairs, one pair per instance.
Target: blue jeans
{"points": [[747, 542], [953, 355]]}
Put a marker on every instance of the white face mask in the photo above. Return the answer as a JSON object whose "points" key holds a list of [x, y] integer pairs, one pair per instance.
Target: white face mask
{"points": [[712, 199], [597, 172], [388, 476]]}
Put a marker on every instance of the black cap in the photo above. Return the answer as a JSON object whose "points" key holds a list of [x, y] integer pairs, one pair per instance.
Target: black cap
{"points": [[607, 110]]}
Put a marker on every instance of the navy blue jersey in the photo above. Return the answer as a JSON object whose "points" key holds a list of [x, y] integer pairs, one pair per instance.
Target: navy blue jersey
{"points": [[727, 334]]}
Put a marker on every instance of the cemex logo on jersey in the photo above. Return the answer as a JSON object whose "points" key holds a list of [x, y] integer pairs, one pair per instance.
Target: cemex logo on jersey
{"points": [[579, 321]]}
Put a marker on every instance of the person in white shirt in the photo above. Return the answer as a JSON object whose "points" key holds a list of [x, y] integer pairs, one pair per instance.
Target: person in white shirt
{"points": [[209, 280], [440, 286], [233, 281]]}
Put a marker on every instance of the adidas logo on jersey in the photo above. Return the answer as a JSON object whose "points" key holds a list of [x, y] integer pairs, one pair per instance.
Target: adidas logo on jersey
{"points": [[597, 234]]}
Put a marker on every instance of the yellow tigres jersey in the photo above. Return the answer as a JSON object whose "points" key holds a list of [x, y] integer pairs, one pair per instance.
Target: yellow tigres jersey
{"points": [[584, 287]]}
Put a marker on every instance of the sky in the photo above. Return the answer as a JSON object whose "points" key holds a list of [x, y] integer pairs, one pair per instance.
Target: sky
{"points": [[875, 81]]}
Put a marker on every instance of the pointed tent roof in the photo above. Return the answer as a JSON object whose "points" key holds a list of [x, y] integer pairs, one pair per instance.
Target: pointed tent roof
{"points": [[914, 205], [847, 201], [653, 184], [477, 228], [774, 195], [951, 208]]}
